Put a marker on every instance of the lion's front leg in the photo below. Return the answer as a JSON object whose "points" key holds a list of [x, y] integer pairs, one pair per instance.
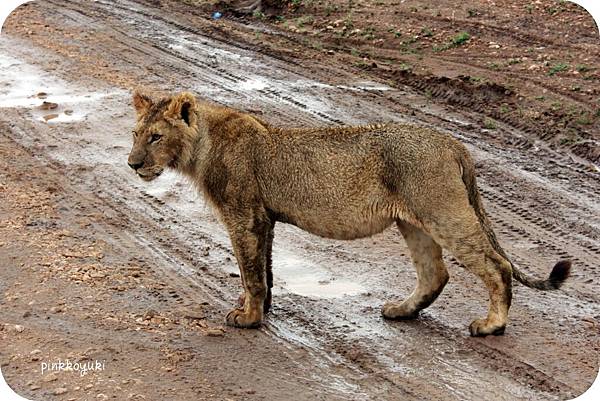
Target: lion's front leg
{"points": [[268, 248], [249, 238]]}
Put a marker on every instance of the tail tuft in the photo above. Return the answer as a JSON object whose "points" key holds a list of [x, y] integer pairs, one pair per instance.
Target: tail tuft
{"points": [[560, 272]]}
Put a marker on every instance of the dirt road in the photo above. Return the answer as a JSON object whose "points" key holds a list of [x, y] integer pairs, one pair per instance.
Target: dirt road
{"points": [[98, 265]]}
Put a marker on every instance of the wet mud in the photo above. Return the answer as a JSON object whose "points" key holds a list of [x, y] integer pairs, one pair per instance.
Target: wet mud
{"points": [[152, 270]]}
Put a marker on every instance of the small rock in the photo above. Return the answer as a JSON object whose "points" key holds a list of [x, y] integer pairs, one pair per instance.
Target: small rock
{"points": [[19, 328], [34, 387], [56, 309], [194, 316], [149, 314], [48, 106], [49, 378], [88, 386], [49, 117], [42, 95], [60, 390], [215, 332], [102, 396]]}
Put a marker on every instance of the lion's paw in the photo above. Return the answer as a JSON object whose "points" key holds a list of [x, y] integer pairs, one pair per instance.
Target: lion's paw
{"points": [[481, 328], [398, 311], [239, 318]]}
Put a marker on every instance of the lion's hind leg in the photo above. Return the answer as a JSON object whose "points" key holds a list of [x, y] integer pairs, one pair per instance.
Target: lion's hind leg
{"points": [[432, 275], [461, 233]]}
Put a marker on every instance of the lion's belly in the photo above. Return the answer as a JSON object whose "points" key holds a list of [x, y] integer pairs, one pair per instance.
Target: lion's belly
{"points": [[339, 226]]}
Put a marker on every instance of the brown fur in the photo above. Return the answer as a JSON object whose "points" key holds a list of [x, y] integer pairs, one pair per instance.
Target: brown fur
{"points": [[342, 183]]}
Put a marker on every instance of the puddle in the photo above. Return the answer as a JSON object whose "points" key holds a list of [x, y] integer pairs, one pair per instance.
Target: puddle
{"points": [[25, 86], [253, 84], [297, 275]]}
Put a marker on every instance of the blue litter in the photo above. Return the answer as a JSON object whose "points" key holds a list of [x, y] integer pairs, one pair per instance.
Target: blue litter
{"points": [[216, 15]]}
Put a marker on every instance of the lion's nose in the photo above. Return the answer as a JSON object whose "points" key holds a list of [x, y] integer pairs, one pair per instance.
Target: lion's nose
{"points": [[135, 166]]}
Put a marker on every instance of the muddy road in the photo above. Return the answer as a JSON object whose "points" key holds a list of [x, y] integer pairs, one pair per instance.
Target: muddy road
{"points": [[99, 265]]}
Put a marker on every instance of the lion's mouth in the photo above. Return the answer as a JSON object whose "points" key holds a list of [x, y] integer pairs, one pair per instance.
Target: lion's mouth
{"points": [[149, 176]]}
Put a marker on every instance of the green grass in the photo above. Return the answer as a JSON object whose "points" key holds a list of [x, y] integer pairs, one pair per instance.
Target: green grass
{"points": [[584, 119], [488, 123], [460, 38], [559, 67], [457, 40], [307, 19]]}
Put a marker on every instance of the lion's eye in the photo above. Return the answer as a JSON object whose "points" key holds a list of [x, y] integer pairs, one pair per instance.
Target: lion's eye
{"points": [[155, 138]]}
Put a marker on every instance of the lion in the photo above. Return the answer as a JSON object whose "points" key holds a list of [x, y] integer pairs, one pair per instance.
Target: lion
{"points": [[336, 182]]}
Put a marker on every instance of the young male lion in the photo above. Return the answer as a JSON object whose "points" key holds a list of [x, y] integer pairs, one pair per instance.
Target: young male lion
{"points": [[336, 182]]}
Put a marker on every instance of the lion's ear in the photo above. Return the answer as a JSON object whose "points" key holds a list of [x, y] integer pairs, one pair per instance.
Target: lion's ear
{"points": [[141, 102], [182, 108]]}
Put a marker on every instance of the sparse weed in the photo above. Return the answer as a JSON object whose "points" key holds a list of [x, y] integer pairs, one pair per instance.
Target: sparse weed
{"points": [[330, 9], [494, 66], [584, 119], [490, 124], [471, 12], [405, 67], [559, 67], [583, 68], [426, 32], [458, 40], [369, 33], [306, 19]]}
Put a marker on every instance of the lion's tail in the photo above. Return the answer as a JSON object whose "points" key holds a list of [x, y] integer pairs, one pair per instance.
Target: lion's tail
{"points": [[560, 271]]}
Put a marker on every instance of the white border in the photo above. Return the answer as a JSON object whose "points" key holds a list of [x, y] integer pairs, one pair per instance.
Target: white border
{"points": [[7, 6]]}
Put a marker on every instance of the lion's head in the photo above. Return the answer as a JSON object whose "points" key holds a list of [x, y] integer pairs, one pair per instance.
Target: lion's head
{"points": [[163, 133]]}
